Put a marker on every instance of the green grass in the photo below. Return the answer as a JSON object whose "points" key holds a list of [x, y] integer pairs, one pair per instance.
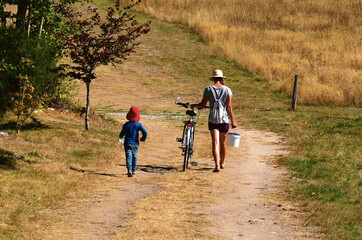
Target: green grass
{"points": [[325, 157]]}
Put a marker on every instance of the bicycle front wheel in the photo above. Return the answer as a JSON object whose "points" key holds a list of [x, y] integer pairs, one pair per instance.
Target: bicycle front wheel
{"points": [[191, 144]]}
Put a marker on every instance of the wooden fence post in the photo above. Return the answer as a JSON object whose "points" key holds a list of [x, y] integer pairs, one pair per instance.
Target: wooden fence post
{"points": [[295, 90]]}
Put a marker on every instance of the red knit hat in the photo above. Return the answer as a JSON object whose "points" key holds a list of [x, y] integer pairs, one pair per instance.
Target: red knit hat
{"points": [[133, 114]]}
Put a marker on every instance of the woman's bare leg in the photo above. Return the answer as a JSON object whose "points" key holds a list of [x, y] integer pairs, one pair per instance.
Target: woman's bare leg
{"points": [[215, 146], [222, 139]]}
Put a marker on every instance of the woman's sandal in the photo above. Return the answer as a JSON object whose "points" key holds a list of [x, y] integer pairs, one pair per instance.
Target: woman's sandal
{"points": [[222, 165], [217, 169]]}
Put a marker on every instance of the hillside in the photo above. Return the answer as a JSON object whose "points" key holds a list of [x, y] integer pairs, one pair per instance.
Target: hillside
{"points": [[317, 40]]}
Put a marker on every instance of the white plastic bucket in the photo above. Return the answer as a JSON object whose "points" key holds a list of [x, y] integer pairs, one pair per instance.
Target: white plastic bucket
{"points": [[233, 139]]}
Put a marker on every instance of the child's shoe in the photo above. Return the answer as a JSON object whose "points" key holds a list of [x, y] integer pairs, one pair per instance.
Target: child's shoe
{"points": [[130, 174]]}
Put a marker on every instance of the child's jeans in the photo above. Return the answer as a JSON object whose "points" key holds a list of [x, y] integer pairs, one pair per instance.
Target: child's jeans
{"points": [[131, 157]]}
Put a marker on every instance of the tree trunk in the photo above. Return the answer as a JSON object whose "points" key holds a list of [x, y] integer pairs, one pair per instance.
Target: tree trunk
{"points": [[3, 22], [87, 107], [41, 26], [20, 16], [3, 19], [29, 21]]}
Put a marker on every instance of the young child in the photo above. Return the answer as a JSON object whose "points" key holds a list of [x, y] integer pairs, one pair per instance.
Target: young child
{"points": [[130, 131]]}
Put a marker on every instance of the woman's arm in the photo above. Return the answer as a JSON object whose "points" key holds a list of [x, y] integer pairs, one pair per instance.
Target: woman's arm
{"points": [[229, 109], [202, 104]]}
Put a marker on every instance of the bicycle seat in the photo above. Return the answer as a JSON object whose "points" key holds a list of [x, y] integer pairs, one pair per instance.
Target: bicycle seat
{"points": [[191, 113]]}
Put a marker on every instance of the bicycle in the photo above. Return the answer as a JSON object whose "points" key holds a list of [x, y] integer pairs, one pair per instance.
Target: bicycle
{"points": [[188, 135]]}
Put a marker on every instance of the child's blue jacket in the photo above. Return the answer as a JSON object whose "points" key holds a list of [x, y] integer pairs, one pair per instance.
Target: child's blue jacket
{"points": [[130, 131]]}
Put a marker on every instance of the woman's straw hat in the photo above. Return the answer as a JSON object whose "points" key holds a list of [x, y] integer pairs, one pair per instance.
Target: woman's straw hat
{"points": [[217, 74]]}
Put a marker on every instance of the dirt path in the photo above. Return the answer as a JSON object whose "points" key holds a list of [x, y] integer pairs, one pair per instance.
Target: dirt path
{"points": [[238, 208], [243, 209], [105, 213]]}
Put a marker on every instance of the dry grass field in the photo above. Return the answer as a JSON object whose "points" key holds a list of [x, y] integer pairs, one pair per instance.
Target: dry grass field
{"points": [[318, 40]]}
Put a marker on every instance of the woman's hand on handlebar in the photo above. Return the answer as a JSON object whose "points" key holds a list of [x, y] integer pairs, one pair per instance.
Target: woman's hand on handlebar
{"points": [[202, 104], [198, 106]]}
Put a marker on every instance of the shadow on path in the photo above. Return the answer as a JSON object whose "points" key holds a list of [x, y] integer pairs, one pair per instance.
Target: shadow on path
{"points": [[154, 169], [94, 172]]}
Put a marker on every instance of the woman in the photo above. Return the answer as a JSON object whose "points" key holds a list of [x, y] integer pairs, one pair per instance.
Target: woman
{"points": [[221, 114]]}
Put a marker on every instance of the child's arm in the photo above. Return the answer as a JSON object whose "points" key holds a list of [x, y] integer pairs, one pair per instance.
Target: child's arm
{"points": [[144, 133], [122, 133]]}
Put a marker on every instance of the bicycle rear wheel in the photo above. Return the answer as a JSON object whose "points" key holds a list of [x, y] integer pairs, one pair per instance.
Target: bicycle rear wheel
{"points": [[186, 157], [187, 149]]}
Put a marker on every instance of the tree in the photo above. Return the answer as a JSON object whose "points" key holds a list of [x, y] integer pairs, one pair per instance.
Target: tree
{"points": [[97, 42], [28, 11], [31, 38], [25, 103]]}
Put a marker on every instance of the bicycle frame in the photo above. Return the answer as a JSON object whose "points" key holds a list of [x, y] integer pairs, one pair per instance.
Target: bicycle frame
{"points": [[188, 132]]}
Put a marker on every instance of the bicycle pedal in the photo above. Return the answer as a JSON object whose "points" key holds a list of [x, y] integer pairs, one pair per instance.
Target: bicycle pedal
{"points": [[194, 163], [178, 139]]}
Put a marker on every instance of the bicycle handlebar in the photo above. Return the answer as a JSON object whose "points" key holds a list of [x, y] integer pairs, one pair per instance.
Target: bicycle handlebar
{"points": [[185, 105]]}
